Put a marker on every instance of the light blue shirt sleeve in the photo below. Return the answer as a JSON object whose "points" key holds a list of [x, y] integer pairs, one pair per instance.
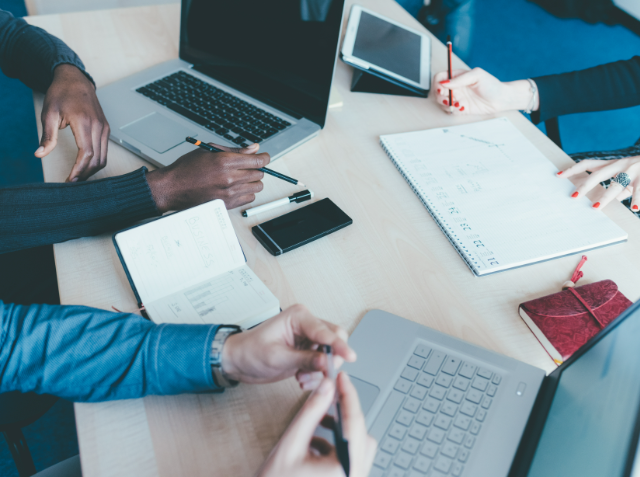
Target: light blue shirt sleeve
{"points": [[88, 355]]}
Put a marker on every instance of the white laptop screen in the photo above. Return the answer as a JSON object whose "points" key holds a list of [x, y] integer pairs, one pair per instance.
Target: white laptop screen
{"points": [[591, 422]]}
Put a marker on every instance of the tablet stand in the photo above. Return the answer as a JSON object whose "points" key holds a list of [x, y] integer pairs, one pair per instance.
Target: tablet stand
{"points": [[367, 83]]}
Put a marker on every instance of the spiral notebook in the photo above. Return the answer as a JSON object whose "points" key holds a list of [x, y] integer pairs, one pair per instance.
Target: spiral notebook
{"points": [[496, 197]]}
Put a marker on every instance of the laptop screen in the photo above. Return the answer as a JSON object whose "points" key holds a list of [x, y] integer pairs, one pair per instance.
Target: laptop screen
{"points": [[281, 52], [591, 422]]}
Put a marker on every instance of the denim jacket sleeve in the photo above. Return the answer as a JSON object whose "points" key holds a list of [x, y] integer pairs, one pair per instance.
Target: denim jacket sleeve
{"points": [[88, 355]]}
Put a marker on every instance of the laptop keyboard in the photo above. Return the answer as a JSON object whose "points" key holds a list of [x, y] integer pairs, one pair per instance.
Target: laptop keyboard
{"points": [[440, 418], [213, 108]]}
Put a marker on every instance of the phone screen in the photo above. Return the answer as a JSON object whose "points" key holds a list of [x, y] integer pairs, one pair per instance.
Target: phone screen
{"points": [[301, 226]]}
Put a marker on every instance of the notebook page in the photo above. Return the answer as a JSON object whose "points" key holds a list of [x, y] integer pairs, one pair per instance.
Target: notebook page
{"points": [[180, 250], [497, 196], [235, 297]]}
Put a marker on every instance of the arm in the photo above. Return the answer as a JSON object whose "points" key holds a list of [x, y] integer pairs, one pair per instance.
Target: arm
{"points": [[31, 54], [84, 354]]}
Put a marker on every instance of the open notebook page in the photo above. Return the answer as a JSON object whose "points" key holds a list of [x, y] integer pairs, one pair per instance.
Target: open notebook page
{"points": [[497, 196], [180, 250]]}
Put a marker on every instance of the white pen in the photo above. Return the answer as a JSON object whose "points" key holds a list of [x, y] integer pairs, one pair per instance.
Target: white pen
{"points": [[298, 197]]}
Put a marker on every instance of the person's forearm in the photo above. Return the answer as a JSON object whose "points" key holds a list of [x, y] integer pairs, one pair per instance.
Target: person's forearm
{"points": [[31, 54], [519, 96], [43, 214], [83, 354]]}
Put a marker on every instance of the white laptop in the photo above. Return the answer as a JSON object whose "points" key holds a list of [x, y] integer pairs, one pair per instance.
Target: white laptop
{"points": [[250, 71]]}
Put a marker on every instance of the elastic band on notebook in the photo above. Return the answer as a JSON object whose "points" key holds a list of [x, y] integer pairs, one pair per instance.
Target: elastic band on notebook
{"points": [[267, 235]]}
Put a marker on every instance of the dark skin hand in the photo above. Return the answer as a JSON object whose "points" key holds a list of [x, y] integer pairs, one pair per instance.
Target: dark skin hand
{"points": [[71, 101], [201, 176]]}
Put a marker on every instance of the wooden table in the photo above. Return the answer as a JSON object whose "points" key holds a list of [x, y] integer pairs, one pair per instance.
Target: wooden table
{"points": [[394, 258]]}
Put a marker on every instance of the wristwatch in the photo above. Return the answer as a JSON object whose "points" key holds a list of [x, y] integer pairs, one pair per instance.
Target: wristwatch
{"points": [[217, 346]]}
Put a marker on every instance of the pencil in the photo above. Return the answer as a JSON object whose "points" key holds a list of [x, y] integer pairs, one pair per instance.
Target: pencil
{"points": [[450, 54], [209, 148]]}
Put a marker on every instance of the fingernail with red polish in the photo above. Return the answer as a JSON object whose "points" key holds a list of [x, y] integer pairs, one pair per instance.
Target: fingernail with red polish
{"points": [[462, 108], [438, 93], [559, 173], [445, 102], [575, 194], [456, 104], [596, 205], [445, 81], [635, 207]]}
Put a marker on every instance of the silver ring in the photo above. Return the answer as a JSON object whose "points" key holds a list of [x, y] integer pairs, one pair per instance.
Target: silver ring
{"points": [[622, 178]]}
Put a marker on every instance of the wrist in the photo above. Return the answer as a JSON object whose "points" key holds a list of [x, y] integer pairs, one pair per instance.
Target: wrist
{"points": [[228, 363], [67, 71], [519, 95], [160, 186]]}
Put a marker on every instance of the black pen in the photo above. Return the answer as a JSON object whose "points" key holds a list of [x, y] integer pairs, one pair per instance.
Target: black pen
{"points": [[342, 445], [209, 148], [449, 56]]}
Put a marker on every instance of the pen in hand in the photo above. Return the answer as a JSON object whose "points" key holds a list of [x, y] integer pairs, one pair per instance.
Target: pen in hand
{"points": [[342, 445], [449, 57], [210, 148]]}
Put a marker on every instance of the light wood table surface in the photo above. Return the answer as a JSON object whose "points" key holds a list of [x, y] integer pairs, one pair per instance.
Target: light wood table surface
{"points": [[394, 257]]}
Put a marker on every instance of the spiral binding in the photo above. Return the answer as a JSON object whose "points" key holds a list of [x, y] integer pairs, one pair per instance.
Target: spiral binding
{"points": [[468, 259]]}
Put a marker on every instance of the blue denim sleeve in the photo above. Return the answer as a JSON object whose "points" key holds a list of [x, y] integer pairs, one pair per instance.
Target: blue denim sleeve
{"points": [[87, 355]]}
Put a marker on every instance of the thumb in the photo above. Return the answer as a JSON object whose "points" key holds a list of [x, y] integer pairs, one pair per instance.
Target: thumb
{"points": [[49, 138], [309, 360], [250, 149], [466, 78]]}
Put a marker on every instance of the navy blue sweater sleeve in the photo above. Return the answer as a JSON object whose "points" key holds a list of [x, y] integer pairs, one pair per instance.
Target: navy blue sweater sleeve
{"points": [[610, 86], [88, 355], [31, 54], [42, 214]]}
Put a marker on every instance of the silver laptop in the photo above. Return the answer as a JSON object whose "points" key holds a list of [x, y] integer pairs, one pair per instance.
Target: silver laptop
{"points": [[250, 71], [439, 406]]}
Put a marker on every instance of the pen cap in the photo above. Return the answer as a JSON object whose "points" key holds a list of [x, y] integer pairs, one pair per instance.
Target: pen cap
{"points": [[302, 196]]}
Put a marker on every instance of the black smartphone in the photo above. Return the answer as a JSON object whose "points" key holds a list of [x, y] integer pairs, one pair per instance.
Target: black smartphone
{"points": [[301, 226]]}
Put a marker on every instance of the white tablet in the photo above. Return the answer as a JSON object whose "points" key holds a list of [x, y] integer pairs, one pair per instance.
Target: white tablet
{"points": [[387, 49]]}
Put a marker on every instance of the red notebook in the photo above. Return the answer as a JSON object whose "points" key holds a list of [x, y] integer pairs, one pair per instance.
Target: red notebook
{"points": [[565, 321]]}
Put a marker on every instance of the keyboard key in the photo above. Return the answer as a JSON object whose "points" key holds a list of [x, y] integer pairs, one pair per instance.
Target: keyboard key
{"points": [[425, 380], [416, 362], [405, 418], [487, 402], [425, 418], [480, 383], [412, 405], [463, 422], [418, 431], [390, 445], [410, 373], [464, 455], [449, 449], [411, 445], [395, 472], [451, 366], [475, 427], [456, 470], [434, 363], [449, 409], [382, 460], [469, 441], [376, 472], [467, 370], [461, 383], [438, 392], [443, 464], [430, 449], [436, 435], [455, 395], [398, 431], [422, 464], [474, 396], [496, 379], [444, 380], [456, 435], [481, 415], [419, 392], [186, 113], [485, 373], [402, 385], [468, 409], [431, 405], [491, 390], [403, 460], [443, 422]]}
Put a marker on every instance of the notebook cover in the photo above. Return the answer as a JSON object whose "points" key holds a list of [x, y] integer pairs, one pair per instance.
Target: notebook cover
{"points": [[564, 321]]}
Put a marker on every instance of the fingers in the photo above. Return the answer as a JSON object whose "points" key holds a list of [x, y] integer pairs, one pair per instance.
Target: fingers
{"points": [[309, 381], [610, 194], [602, 174], [84, 140], [49, 139], [462, 78], [635, 201], [583, 166], [250, 149], [319, 331]]}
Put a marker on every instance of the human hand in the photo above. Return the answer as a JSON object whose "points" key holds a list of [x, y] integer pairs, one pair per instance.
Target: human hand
{"points": [[299, 453], [604, 170], [478, 92], [283, 346], [201, 176], [71, 101]]}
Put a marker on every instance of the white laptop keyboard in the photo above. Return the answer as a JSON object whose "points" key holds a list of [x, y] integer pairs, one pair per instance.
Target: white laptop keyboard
{"points": [[438, 422]]}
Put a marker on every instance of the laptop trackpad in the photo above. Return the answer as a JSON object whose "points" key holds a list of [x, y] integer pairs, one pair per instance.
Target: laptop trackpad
{"points": [[158, 132], [366, 392]]}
